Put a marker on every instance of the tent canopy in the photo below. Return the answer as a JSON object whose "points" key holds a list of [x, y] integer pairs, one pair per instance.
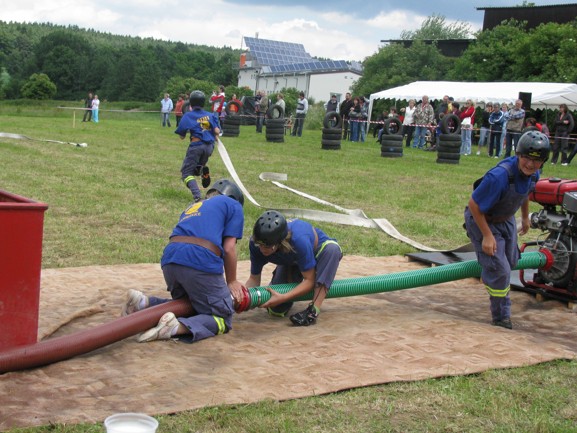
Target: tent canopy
{"points": [[543, 95]]}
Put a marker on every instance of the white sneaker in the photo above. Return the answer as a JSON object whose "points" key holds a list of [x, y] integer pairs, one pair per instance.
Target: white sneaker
{"points": [[564, 163], [478, 153], [135, 301], [163, 331]]}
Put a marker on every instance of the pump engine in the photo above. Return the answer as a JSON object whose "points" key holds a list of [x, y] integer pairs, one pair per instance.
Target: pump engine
{"points": [[558, 222]]}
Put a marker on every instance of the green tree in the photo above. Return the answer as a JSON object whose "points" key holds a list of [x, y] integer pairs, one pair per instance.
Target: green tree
{"points": [[436, 27], [39, 86]]}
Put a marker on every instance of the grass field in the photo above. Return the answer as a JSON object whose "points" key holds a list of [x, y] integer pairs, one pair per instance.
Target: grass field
{"points": [[117, 200]]}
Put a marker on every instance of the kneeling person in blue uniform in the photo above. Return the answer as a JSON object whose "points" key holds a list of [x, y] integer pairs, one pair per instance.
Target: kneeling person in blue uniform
{"points": [[490, 218], [303, 254], [201, 247]]}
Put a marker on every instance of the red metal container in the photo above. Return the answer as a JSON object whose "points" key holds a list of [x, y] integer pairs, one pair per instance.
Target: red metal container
{"points": [[550, 191], [21, 227]]}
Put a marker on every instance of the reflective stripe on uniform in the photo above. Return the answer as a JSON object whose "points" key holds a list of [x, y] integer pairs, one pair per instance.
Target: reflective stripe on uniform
{"points": [[188, 179], [498, 293], [220, 323], [324, 244]]}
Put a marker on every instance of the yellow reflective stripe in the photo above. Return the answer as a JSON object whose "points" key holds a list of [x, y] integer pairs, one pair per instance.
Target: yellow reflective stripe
{"points": [[188, 179], [325, 243], [221, 326], [498, 293]]}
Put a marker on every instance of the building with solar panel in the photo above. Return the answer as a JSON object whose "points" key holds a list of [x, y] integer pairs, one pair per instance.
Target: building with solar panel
{"points": [[273, 65]]}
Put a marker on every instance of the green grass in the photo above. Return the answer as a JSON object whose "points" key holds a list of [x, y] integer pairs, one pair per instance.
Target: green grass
{"points": [[117, 200]]}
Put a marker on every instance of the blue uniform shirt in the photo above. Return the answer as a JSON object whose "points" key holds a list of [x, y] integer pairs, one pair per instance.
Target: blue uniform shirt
{"points": [[302, 241], [200, 124], [496, 184], [212, 219]]}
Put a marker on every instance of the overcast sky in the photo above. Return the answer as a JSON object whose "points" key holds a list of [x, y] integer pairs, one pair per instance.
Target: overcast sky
{"points": [[335, 29]]}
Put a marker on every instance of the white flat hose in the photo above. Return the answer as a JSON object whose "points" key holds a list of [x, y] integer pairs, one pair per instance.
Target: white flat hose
{"points": [[354, 217], [24, 137]]}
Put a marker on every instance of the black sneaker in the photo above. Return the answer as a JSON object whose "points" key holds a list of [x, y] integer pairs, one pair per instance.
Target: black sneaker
{"points": [[205, 177], [306, 317], [505, 323]]}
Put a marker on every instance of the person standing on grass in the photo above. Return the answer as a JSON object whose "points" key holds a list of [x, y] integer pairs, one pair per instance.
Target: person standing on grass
{"points": [[301, 113], [303, 254], [204, 130], [490, 218], [178, 109], [88, 108], [199, 263], [165, 109], [95, 108]]}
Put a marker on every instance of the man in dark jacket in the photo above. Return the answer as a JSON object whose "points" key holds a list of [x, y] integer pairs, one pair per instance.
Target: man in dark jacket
{"points": [[344, 111]]}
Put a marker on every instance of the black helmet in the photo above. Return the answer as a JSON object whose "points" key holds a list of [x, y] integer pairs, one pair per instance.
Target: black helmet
{"points": [[534, 144], [197, 99], [270, 228], [228, 188]]}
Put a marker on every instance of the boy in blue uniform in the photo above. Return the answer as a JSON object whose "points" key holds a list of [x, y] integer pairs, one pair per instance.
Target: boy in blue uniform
{"points": [[202, 244], [203, 128], [303, 254], [490, 219]]}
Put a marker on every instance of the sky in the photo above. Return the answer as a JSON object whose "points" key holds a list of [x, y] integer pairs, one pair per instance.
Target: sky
{"points": [[334, 29]]}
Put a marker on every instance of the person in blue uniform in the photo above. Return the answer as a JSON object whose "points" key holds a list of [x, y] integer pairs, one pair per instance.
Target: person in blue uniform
{"points": [[202, 128], [302, 254], [490, 218], [202, 245]]}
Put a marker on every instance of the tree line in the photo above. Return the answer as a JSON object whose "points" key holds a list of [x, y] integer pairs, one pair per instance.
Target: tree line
{"points": [[70, 61], [119, 68]]}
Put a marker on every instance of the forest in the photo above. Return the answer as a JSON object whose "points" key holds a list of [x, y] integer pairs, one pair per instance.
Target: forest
{"points": [[124, 68]]}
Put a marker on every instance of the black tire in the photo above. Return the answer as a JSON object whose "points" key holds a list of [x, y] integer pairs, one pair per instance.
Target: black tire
{"points": [[275, 123], [449, 137], [232, 120], [391, 154], [447, 161], [275, 112], [331, 130], [274, 136], [230, 134], [328, 136], [274, 130], [392, 126], [332, 120], [397, 138], [451, 124], [391, 149], [446, 155], [331, 142], [275, 140], [227, 108], [331, 147], [395, 144], [450, 147], [231, 129]]}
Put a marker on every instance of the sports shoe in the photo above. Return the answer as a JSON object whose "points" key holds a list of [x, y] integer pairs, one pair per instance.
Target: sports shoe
{"points": [[280, 310], [135, 301], [205, 177], [163, 331], [564, 163], [478, 153], [306, 317], [505, 323]]}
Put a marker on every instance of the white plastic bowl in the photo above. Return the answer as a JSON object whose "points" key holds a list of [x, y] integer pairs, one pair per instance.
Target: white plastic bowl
{"points": [[130, 423]]}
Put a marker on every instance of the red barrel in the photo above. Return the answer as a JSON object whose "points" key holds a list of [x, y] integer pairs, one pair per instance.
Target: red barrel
{"points": [[550, 191], [21, 227]]}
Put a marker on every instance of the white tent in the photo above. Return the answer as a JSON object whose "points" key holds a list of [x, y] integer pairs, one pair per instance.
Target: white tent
{"points": [[543, 95]]}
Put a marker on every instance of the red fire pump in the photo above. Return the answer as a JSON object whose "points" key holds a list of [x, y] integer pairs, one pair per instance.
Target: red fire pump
{"points": [[558, 221]]}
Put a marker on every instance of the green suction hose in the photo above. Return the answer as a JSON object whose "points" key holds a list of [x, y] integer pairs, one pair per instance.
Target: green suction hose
{"points": [[400, 280]]}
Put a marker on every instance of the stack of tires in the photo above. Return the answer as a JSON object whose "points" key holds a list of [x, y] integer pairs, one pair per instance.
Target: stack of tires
{"points": [[231, 122], [449, 149], [392, 139], [274, 124], [332, 134]]}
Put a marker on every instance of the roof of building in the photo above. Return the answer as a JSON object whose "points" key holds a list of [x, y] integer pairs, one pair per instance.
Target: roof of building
{"points": [[276, 57]]}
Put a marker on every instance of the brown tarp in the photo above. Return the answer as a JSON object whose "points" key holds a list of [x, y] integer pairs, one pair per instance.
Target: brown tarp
{"points": [[358, 341]]}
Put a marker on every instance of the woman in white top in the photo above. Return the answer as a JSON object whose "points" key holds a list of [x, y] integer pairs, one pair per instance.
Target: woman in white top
{"points": [[408, 121], [95, 105]]}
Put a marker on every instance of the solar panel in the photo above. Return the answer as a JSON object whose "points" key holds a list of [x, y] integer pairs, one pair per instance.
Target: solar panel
{"points": [[274, 53]]}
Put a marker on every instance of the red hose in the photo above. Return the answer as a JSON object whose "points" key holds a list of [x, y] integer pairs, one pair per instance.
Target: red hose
{"points": [[65, 347]]}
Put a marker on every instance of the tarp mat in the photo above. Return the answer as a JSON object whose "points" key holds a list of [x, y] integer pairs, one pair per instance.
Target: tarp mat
{"points": [[407, 335]]}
